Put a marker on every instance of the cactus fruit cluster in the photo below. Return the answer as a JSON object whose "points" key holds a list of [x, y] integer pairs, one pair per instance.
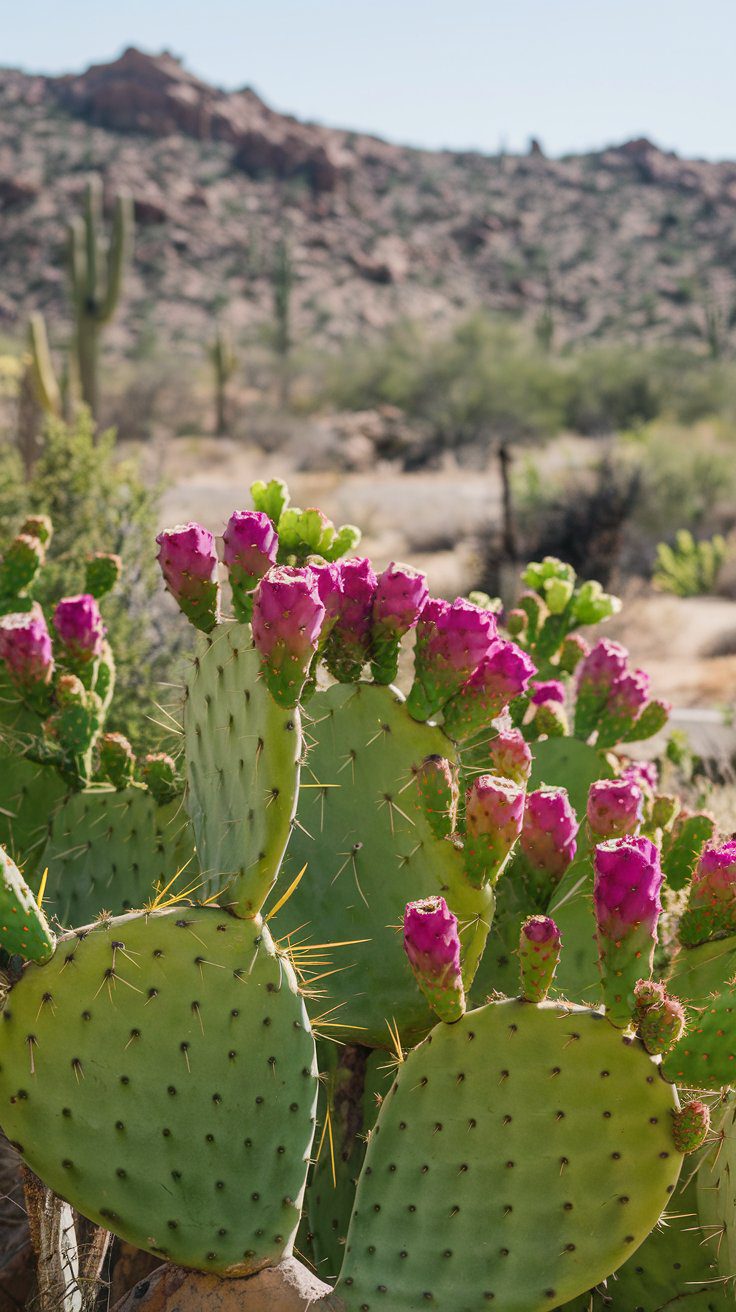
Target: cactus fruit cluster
{"points": [[429, 980]]}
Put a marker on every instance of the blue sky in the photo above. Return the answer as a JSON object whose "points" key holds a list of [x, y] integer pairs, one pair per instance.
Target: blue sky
{"points": [[459, 73]]}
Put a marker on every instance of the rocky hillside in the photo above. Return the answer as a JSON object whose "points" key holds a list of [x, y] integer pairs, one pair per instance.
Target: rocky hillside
{"points": [[627, 241]]}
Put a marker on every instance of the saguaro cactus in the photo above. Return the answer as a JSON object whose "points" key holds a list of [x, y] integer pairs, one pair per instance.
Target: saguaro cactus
{"points": [[224, 363], [96, 269]]}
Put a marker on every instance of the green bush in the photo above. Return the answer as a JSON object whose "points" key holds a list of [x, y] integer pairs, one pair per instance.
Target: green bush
{"points": [[689, 568]]}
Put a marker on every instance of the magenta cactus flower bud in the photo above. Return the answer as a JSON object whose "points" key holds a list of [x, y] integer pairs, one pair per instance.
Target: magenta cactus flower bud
{"points": [[288, 615], [400, 598], [604, 664], [438, 794], [503, 675], [494, 813], [643, 773], [573, 650], [510, 755], [628, 879], [626, 700], [250, 546], [615, 808], [548, 690], [711, 905], [451, 643], [432, 944], [80, 629], [25, 649], [348, 647], [540, 943], [548, 840], [690, 1126], [188, 563]]}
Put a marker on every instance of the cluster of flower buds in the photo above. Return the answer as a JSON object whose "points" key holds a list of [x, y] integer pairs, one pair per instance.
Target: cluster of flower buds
{"points": [[613, 700], [711, 904], [626, 890], [554, 605]]}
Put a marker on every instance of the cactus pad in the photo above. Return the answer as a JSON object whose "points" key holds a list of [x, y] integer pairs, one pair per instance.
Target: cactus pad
{"points": [[23, 926], [107, 851], [717, 1196], [571, 764], [369, 849], [159, 1073], [702, 977], [243, 769], [521, 1155]]}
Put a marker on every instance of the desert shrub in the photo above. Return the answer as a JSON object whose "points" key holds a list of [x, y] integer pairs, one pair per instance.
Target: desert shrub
{"points": [[611, 389], [689, 568]]}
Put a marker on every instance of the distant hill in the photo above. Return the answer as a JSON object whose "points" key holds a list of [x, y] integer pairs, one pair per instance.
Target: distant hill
{"points": [[628, 241]]}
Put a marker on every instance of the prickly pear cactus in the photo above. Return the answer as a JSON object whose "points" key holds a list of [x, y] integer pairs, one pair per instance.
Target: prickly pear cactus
{"points": [[571, 764], [243, 753], [369, 848], [521, 1155], [160, 1074], [111, 851], [24, 928], [717, 1196], [28, 791], [705, 1057]]}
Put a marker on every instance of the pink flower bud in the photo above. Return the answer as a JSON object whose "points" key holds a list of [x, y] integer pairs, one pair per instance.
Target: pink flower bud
{"points": [[604, 664], [250, 545], [548, 690], [399, 600], [690, 1126], [503, 675], [438, 794], [432, 944], [643, 773], [25, 647], [510, 755], [288, 615], [188, 563], [78, 623], [451, 643], [539, 953], [494, 812], [711, 906], [627, 883], [615, 808], [549, 835], [348, 647]]}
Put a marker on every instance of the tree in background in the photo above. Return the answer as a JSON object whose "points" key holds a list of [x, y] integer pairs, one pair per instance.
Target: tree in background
{"points": [[224, 363], [283, 286]]}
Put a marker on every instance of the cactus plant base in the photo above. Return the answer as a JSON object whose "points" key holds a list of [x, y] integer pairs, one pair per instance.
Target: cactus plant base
{"points": [[159, 1073], [522, 1154], [288, 1287], [107, 851], [369, 850]]}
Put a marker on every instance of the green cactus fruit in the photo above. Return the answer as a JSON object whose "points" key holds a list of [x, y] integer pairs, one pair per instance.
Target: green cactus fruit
{"points": [[438, 795], [572, 651], [717, 1195], [539, 956], [160, 1074], [161, 776], [243, 753], [662, 1025], [24, 928], [346, 540], [478, 1189], [111, 851], [355, 1081], [682, 848], [571, 764], [272, 498], [101, 573], [550, 720], [690, 1126], [76, 723], [38, 526], [20, 564], [104, 677], [705, 1057], [675, 1267], [369, 850], [117, 760]]}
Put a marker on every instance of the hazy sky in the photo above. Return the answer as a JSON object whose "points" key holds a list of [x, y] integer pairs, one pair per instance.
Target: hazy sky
{"points": [[460, 73]]}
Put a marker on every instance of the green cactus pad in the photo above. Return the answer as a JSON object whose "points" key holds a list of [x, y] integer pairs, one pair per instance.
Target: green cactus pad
{"points": [[703, 978], [369, 849], [28, 792], [674, 1268], [521, 1155], [571, 907], [717, 1195], [110, 851], [682, 848], [159, 1073], [243, 755], [571, 764], [23, 926]]}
